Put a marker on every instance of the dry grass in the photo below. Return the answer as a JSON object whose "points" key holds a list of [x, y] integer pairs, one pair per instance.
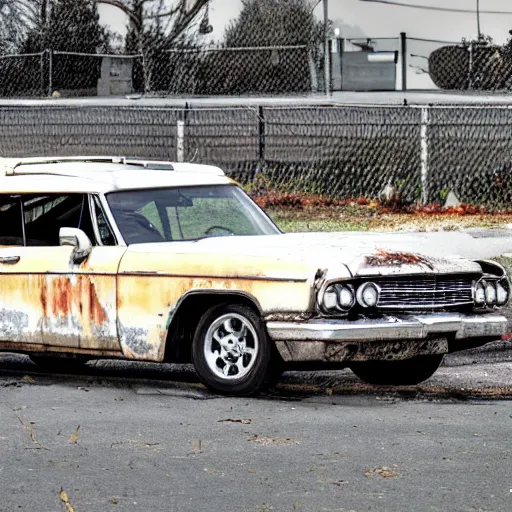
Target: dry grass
{"points": [[367, 219]]}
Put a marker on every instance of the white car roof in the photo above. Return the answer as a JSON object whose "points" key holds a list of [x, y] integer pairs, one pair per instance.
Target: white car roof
{"points": [[101, 174]]}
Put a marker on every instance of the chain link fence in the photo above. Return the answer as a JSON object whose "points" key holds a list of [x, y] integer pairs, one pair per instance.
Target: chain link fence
{"points": [[217, 70], [421, 153], [207, 71]]}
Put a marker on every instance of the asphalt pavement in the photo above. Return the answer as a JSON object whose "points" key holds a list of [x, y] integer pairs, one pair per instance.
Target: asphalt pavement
{"points": [[132, 437]]}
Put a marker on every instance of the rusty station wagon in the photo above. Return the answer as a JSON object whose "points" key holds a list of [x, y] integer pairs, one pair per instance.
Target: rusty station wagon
{"points": [[154, 261]]}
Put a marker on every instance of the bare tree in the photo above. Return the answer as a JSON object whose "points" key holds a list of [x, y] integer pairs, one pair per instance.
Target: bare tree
{"points": [[17, 17], [168, 18]]}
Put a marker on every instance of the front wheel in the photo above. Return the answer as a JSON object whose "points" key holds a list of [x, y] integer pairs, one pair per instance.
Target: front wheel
{"points": [[398, 373], [231, 350]]}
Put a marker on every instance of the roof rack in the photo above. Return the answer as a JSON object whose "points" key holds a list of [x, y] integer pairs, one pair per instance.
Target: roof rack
{"points": [[11, 165]]}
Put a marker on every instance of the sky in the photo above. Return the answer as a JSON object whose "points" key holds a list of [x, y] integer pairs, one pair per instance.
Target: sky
{"points": [[358, 18]]}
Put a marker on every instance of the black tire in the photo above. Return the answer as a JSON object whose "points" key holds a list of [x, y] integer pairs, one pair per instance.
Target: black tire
{"points": [[259, 371], [398, 373], [59, 364]]}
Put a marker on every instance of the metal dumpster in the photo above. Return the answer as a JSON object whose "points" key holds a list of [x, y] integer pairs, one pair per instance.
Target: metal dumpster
{"points": [[368, 71]]}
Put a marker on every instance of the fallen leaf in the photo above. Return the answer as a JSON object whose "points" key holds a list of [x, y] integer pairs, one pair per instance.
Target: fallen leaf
{"points": [[196, 446], [272, 440], [236, 420], [73, 438], [31, 433], [63, 495], [131, 442], [384, 472], [32, 436]]}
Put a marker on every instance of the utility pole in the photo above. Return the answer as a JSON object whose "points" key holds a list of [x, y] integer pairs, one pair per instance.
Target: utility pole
{"points": [[478, 18], [327, 49]]}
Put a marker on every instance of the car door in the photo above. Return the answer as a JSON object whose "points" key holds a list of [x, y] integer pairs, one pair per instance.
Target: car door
{"points": [[69, 306], [20, 288]]}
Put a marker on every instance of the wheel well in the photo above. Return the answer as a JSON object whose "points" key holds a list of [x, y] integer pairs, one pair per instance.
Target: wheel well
{"points": [[184, 321]]}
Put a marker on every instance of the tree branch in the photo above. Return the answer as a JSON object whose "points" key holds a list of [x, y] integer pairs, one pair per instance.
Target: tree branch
{"points": [[170, 13], [186, 18], [121, 5]]}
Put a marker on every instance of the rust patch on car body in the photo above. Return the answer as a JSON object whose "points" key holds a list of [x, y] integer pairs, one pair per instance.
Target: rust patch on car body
{"points": [[77, 311], [288, 317], [63, 292], [383, 258]]}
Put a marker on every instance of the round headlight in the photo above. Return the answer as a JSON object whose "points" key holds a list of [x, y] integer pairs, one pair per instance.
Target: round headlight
{"points": [[490, 293], [368, 295], [346, 297], [480, 294], [502, 294], [330, 299]]}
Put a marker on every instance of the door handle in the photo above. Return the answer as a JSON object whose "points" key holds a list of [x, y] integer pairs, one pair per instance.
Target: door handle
{"points": [[10, 260]]}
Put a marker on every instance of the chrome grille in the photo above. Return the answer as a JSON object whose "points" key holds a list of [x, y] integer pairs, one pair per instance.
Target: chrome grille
{"points": [[426, 291]]}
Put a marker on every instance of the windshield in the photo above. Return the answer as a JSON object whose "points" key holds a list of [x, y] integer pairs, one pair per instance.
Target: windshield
{"points": [[187, 213]]}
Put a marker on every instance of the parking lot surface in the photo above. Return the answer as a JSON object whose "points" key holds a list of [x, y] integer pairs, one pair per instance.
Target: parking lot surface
{"points": [[131, 437]]}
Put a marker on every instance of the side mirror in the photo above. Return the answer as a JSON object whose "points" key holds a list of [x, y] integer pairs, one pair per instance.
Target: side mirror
{"points": [[79, 240]]}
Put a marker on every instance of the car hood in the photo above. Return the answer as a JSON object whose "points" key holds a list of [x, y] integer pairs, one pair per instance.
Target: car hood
{"points": [[301, 255]]}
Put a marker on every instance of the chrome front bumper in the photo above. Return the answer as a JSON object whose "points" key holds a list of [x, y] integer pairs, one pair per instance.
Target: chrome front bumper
{"points": [[390, 328]]}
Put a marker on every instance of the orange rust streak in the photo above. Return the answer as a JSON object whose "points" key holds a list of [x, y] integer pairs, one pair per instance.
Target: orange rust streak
{"points": [[63, 295], [44, 293], [96, 312]]}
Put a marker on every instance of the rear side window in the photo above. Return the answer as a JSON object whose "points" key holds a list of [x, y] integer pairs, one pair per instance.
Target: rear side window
{"points": [[11, 228], [45, 215]]}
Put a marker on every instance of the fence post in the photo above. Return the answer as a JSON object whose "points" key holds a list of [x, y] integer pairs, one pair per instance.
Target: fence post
{"points": [[145, 75], [261, 132], [41, 64], [342, 51], [425, 122], [180, 138], [470, 70], [313, 71], [403, 59], [261, 140], [50, 73]]}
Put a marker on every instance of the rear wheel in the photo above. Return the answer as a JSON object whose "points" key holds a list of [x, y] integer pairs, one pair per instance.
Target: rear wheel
{"points": [[398, 373], [231, 350], [59, 364]]}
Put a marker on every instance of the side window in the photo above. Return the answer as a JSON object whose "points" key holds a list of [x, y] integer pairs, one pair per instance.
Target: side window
{"points": [[11, 228], [105, 231], [45, 215]]}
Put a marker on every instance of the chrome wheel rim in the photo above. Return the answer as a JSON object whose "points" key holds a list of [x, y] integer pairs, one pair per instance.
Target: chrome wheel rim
{"points": [[231, 346]]}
